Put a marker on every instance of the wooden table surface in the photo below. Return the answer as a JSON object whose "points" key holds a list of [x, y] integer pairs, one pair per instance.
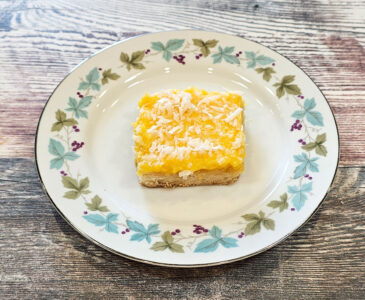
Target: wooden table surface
{"points": [[41, 256]]}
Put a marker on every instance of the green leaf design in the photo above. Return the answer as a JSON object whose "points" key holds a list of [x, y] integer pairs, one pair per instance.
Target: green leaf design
{"points": [[198, 42], [292, 89], [91, 81], [300, 194], [251, 217], [96, 204], [317, 145], [137, 56], [77, 188], [252, 59], [280, 92], [70, 156], [171, 45], [70, 183], [159, 246], [211, 43], [284, 86], [321, 150], [254, 226], [175, 44], [78, 107], [204, 46], [321, 138], [71, 195], [57, 149], [309, 147], [84, 183], [266, 72], [225, 54], [282, 205], [158, 46], [314, 117], [288, 79], [167, 55], [274, 204], [124, 57], [93, 75], [305, 163], [107, 74], [177, 248], [101, 221], [167, 237], [269, 224], [134, 62], [167, 243], [62, 121]]}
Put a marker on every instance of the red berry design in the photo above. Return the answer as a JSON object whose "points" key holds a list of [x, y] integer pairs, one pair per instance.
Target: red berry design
{"points": [[296, 125], [180, 59], [199, 229], [76, 146]]}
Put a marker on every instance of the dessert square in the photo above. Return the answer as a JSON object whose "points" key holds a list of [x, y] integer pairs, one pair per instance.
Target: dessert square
{"points": [[189, 137]]}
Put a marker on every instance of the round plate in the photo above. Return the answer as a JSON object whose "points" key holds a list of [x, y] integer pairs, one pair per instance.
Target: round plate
{"points": [[84, 150]]}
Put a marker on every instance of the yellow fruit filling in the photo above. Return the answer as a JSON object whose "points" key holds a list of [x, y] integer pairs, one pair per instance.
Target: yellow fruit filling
{"points": [[183, 131]]}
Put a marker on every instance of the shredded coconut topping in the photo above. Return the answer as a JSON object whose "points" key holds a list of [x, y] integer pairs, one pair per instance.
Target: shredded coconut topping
{"points": [[181, 125], [233, 115], [185, 174]]}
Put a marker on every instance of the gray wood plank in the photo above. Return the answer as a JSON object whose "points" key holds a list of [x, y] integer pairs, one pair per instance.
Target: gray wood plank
{"points": [[43, 257], [42, 40]]}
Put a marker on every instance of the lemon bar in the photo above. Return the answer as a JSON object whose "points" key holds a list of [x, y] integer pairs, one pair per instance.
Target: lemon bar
{"points": [[189, 137]]}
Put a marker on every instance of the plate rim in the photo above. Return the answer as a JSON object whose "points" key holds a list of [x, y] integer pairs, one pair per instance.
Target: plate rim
{"points": [[150, 262]]}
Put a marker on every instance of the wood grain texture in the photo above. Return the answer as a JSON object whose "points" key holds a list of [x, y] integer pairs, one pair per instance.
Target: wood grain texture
{"points": [[42, 257], [42, 40]]}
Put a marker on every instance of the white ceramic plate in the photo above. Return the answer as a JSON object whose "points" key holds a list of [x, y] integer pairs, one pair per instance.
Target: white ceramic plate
{"points": [[86, 163]]}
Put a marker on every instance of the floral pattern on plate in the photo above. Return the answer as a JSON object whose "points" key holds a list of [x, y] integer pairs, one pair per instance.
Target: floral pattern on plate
{"points": [[65, 147]]}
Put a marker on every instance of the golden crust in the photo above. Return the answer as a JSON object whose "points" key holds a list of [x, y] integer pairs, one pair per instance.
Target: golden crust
{"points": [[202, 177]]}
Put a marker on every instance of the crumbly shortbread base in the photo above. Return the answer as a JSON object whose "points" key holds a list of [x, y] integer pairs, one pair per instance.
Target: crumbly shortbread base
{"points": [[202, 177]]}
